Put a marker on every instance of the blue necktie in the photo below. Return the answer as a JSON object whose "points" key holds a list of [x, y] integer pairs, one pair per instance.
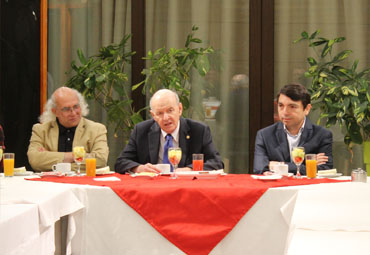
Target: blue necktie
{"points": [[168, 144]]}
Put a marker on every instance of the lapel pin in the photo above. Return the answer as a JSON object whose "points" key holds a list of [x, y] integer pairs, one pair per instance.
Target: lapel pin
{"points": [[188, 137]]}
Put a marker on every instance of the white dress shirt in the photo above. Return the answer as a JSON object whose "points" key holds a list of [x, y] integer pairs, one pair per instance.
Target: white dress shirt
{"points": [[293, 140]]}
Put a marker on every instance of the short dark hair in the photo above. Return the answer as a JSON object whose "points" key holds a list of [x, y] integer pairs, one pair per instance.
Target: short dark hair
{"points": [[296, 92]]}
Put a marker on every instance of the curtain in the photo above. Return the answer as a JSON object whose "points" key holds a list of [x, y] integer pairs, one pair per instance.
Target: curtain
{"points": [[86, 25], [334, 18], [224, 25]]}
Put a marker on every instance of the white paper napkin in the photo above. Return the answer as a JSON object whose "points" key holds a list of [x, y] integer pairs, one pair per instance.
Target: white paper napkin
{"points": [[111, 178]]}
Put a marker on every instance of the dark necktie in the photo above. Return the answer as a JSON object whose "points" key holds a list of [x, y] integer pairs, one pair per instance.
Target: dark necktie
{"points": [[168, 144]]}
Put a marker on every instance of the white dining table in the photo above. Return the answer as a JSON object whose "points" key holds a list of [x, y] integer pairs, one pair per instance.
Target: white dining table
{"points": [[332, 219], [19, 229], [311, 219], [28, 213], [327, 219], [104, 224], [110, 226]]}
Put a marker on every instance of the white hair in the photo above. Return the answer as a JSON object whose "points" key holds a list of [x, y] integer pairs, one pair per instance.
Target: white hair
{"points": [[163, 91], [48, 114]]}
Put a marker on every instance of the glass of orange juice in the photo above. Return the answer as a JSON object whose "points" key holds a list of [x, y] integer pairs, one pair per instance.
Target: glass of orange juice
{"points": [[198, 162], [90, 164], [8, 161], [311, 165]]}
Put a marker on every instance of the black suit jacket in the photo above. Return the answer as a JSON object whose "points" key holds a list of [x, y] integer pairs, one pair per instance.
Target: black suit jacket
{"points": [[143, 146], [272, 145]]}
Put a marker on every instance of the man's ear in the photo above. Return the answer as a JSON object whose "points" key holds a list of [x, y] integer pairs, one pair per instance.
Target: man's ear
{"points": [[152, 113], [307, 109], [53, 110], [180, 108]]}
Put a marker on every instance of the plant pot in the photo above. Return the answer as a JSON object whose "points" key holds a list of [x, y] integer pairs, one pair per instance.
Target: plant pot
{"points": [[367, 156]]}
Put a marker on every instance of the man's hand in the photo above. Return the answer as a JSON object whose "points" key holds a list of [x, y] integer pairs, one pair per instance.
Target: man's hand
{"points": [[268, 173], [272, 164], [184, 169], [68, 157], [146, 168], [321, 158]]}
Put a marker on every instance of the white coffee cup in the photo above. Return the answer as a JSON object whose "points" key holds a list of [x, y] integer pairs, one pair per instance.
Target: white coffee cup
{"points": [[281, 169], [62, 167], [165, 168]]}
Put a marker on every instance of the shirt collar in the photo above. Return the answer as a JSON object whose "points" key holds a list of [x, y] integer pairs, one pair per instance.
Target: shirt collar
{"points": [[175, 133], [299, 132]]}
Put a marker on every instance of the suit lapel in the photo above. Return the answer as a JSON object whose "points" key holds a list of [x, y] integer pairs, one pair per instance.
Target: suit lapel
{"points": [[154, 142], [307, 133], [283, 142], [54, 134], [184, 140], [78, 134]]}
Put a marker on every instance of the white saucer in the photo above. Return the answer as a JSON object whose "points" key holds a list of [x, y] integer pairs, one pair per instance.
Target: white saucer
{"points": [[27, 173], [330, 175], [267, 177]]}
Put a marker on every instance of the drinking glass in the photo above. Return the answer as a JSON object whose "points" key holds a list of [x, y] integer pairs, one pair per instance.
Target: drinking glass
{"points": [[174, 156], [8, 164], [298, 157], [198, 162], [311, 165], [90, 164], [78, 156]]}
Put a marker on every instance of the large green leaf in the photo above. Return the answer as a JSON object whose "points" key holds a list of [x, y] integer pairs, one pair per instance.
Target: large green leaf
{"points": [[342, 55], [326, 50], [311, 61], [339, 39], [304, 35], [81, 57], [314, 34], [317, 43], [202, 64]]}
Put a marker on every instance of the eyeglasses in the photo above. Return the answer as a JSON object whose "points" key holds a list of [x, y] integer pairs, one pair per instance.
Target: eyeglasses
{"points": [[70, 109]]}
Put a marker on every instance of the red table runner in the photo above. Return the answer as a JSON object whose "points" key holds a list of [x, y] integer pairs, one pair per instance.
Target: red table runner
{"points": [[195, 215]]}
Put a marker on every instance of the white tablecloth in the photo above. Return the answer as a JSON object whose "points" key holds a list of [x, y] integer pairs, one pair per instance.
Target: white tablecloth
{"points": [[110, 226], [18, 225], [107, 225], [46, 203], [332, 219], [328, 219]]}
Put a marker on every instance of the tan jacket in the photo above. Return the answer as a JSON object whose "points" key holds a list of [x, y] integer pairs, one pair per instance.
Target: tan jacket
{"points": [[90, 134]]}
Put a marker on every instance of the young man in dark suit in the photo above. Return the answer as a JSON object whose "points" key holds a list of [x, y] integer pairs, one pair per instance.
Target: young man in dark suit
{"points": [[146, 146], [274, 143]]}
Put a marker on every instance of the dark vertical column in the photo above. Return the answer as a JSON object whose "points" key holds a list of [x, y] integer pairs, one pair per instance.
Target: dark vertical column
{"points": [[261, 50], [138, 45], [267, 75], [43, 53], [19, 74], [255, 70]]}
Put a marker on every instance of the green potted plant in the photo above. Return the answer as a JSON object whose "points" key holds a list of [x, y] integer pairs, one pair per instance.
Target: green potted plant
{"points": [[172, 68], [102, 77], [341, 93]]}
